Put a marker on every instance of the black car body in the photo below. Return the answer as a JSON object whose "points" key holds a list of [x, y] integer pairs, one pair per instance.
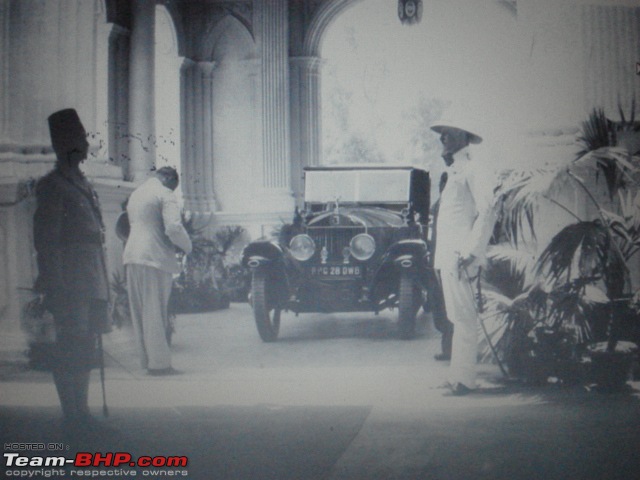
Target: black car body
{"points": [[359, 244]]}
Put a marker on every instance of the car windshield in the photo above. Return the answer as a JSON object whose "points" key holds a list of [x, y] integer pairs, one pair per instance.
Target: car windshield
{"points": [[358, 186]]}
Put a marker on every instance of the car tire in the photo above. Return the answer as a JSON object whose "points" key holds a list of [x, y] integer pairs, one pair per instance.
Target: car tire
{"points": [[267, 317], [408, 306]]}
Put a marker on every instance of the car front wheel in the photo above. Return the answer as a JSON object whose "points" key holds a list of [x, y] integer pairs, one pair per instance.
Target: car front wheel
{"points": [[267, 317], [409, 304]]}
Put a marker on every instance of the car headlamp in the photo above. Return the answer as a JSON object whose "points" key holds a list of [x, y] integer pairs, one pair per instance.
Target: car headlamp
{"points": [[362, 246], [302, 247]]}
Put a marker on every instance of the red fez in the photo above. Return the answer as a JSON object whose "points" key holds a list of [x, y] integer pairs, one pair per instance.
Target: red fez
{"points": [[65, 128]]}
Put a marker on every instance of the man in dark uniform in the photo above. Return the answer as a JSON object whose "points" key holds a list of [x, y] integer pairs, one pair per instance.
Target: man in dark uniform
{"points": [[69, 241]]}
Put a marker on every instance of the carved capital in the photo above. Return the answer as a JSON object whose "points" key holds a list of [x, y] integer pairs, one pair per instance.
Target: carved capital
{"points": [[309, 64], [207, 69], [116, 31], [187, 63]]}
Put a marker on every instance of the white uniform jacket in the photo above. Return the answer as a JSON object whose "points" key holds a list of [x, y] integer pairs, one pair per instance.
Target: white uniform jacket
{"points": [[156, 228], [467, 214]]}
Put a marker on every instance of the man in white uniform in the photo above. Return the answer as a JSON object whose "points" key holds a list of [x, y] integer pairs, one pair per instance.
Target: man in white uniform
{"points": [[150, 259], [465, 224]]}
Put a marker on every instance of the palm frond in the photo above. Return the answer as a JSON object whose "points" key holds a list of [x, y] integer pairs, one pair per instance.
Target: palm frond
{"points": [[626, 226], [596, 132], [623, 124], [599, 140], [520, 259], [227, 237], [630, 208], [584, 250], [510, 269], [522, 193], [496, 302], [568, 310]]}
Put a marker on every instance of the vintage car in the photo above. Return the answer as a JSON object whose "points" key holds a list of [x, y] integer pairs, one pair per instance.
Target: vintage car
{"points": [[360, 243]]}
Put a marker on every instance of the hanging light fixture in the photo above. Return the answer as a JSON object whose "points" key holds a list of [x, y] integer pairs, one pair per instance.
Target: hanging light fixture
{"points": [[409, 11]]}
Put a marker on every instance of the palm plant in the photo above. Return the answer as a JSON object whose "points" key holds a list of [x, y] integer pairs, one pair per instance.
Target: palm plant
{"points": [[203, 283], [583, 271]]}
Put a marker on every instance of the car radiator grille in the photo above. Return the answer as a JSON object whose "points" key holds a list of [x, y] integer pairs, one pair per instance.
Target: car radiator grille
{"points": [[334, 239]]}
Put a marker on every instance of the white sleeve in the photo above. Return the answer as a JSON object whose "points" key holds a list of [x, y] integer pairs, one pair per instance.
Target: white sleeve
{"points": [[173, 222], [481, 183]]}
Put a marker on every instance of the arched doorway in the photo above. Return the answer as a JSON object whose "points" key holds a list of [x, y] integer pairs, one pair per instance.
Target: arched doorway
{"points": [[167, 93], [219, 115], [167, 85], [235, 113], [383, 84], [472, 57]]}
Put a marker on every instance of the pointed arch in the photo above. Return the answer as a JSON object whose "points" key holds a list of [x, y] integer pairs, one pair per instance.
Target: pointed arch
{"points": [[229, 39], [167, 86], [326, 14], [171, 8]]}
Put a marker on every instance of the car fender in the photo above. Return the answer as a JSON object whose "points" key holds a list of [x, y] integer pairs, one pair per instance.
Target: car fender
{"points": [[412, 253], [262, 254], [270, 258], [406, 255]]}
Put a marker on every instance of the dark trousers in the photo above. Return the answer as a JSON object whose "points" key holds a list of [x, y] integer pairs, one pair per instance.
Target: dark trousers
{"points": [[439, 312]]}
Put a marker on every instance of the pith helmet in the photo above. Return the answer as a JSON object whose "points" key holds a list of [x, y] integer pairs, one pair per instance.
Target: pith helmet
{"points": [[461, 120]]}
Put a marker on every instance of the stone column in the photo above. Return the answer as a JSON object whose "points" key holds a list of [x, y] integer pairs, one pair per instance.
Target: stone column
{"points": [[141, 90], [206, 70], [48, 60], [306, 145], [187, 145], [275, 106], [4, 72], [119, 39], [611, 38], [103, 36], [197, 142]]}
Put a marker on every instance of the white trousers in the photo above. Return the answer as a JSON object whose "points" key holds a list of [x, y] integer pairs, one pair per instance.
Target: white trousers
{"points": [[149, 289], [461, 309]]}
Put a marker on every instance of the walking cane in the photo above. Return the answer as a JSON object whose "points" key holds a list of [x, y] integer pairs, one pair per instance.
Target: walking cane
{"points": [[480, 310], [105, 409]]}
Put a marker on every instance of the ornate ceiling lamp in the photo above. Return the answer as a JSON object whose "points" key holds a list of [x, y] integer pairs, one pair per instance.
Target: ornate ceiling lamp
{"points": [[409, 11]]}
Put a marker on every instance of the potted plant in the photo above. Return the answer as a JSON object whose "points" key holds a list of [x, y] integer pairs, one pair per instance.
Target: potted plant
{"points": [[573, 319], [202, 284]]}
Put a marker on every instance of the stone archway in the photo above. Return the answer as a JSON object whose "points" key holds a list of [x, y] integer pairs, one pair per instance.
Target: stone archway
{"points": [[219, 114], [167, 95], [307, 67], [305, 74], [323, 18], [235, 113]]}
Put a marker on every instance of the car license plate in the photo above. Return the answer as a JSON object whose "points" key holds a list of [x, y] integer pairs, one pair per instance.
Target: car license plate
{"points": [[336, 271]]}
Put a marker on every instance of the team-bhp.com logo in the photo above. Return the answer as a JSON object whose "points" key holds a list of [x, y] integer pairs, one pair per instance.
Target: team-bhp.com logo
{"points": [[16, 463]]}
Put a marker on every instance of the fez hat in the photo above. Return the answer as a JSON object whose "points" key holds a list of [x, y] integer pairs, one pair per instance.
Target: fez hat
{"points": [[65, 128]]}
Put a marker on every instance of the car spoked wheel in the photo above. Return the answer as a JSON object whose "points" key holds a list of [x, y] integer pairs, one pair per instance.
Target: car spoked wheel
{"points": [[409, 301], [267, 316]]}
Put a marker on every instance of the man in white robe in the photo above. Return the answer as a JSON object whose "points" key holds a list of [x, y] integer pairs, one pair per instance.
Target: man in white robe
{"points": [[465, 224]]}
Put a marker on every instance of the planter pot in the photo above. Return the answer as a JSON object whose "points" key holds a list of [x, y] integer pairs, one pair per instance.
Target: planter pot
{"points": [[610, 371], [198, 301]]}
